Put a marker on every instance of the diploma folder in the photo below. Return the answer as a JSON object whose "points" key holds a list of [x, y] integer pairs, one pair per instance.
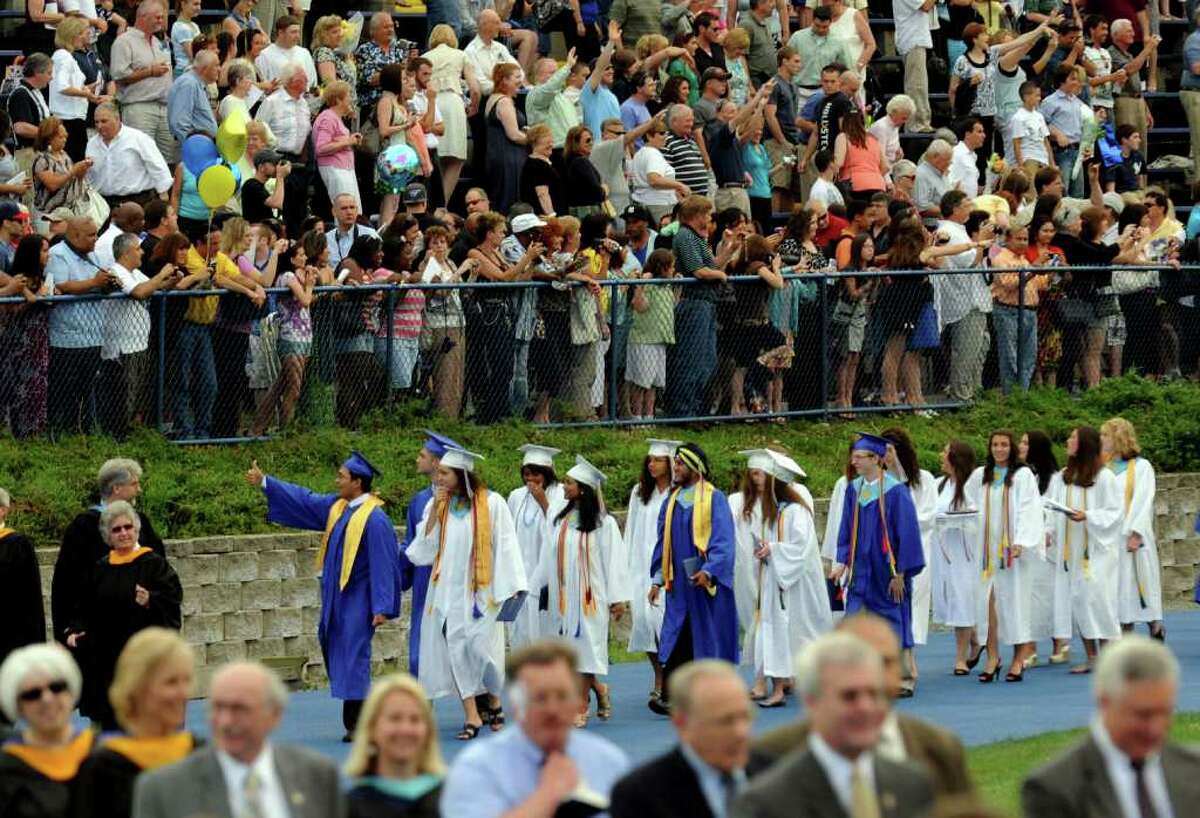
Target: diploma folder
{"points": [[511, 607], [1059, 507], [691, 565]]}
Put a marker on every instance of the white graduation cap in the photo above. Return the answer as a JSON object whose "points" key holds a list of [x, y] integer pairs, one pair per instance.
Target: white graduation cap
{"points": [[663, 448], [584, 472], [535, 455], [778, 465], [460, 459]]}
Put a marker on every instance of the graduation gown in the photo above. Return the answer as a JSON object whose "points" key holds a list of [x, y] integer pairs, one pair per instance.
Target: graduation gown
{"points": [[745, 566], [1043, 573], [1087, 560], [1011, 582], [954, 563], [871, 569], [373, 586], [37, 783], [925, 498], [82, 547], [108, 616], [530, 523], [21, 607], [462, 641], [833, 520], [584, 574], [104, 786], [414, 577], [712, 618], [1140, 597], [641, 532], [791, 604]]}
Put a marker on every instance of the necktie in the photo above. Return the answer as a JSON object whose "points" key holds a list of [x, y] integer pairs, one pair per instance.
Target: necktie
{"points": [[1145, 805], [252, 796], [863, 803], [729, 788]]}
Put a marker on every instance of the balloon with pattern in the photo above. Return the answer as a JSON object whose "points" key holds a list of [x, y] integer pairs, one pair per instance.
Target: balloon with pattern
{"points": [[396, 167]]}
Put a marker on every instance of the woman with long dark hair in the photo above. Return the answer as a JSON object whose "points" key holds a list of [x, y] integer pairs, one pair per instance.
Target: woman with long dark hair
{"points": [[955, 556], [641, 535], [1009, 541], [533, 505], [584, 569], [25, 339], [1037, 452], [859, 157]]}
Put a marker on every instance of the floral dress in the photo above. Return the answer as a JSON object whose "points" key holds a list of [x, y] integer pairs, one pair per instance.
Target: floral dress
{"points": [[25, 367], [1050, 342], [343, 68]]}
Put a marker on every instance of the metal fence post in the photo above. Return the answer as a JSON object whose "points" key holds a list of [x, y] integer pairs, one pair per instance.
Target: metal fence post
{"points": [[160, 395], [823, 303], [389, 322], [1020, 329], [613, 390]]}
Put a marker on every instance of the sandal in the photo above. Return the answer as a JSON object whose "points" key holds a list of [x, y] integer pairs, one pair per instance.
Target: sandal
{"points": [[494, 719], [603, 705], [581, 720], [468, 731], [1061, 656], [1081, 670]]}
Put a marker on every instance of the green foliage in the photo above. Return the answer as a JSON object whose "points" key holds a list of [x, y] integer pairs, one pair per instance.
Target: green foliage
{"points": [[199, 490]]}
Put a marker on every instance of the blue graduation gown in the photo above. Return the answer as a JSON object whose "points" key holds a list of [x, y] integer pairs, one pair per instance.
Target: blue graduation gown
{"points": [[415, 577], [373, 588], [872, 572], [713, 619]]}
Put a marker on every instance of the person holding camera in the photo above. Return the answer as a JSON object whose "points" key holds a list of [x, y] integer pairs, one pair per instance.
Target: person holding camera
{"points": [[259, 205]]}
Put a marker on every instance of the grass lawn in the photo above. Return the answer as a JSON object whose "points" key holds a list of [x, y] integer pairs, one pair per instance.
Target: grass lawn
{"points": [[1000, 768]]}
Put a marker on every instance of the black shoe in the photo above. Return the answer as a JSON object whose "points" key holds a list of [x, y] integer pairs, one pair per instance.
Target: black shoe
{"points": [[1015, 677], [346, 739], [958, 671], [989, 675], [659, 706], [974, 660]]}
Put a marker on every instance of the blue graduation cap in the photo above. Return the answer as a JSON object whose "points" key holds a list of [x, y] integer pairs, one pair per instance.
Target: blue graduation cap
{"points": [[359, 466], [437, 445], [871, 443]]}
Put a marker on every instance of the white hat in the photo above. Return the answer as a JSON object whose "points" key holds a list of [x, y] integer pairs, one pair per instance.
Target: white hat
{"points": [[584, 472], [460, 459], [759, 459], [778, 465], [663, 448], [538, 455], [526, 221]]}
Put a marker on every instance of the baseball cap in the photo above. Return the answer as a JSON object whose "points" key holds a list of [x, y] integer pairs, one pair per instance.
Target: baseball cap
{"points": [[525, 222], [415, 194], [636, 211], [267, 157], [713, 73], [1114, 201], [11, 211]]}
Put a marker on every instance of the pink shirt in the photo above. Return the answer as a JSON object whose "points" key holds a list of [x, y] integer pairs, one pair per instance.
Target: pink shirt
{"points": [[406, 315], [326, 129]]}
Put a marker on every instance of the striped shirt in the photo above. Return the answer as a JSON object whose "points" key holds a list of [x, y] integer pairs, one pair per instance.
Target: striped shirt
{"points": [[692, 253], [406, 315], [684, 155]]}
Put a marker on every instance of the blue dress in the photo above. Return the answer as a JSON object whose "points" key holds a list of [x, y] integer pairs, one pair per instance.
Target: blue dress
{"points": [[713, 619], [872, 573], [415, 577], [373, 587]]}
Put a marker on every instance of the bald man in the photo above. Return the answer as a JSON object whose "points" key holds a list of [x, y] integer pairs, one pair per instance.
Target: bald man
{"points": [[903, 737], [188, 109], [486, 52]]}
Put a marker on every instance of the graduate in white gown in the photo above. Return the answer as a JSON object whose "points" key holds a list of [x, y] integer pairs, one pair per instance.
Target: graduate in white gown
{"points": [[833, 520], [1140, 583], [1086, 543], [467, 535], [1010, 541], [901, 463], [531, 506], [585, 567], [1037, 452], [955, 557], [641, 533], [773, 523]]}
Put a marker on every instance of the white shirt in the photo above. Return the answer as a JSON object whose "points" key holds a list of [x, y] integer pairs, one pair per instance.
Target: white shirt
{"points": [[420, 104], [838, 768], [272, 59], [339, 243], [67, 74], [912, 26], [888, 133], [272, 799], [891, 741], [1030, 127], [1124, 780], [104, 246], [646, 161], [956, 295], [290, 119], [826, 192], [963, 173], [126, 320], [485, 58], [130, 164]]}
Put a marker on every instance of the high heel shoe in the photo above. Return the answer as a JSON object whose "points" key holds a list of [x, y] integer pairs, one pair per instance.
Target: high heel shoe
{"points": [[974, 660], [989, 675], [962, 671], [1015, 677], [1061, 656]]}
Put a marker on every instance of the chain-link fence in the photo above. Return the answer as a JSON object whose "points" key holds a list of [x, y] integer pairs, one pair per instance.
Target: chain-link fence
{"points": [[213, 365]]}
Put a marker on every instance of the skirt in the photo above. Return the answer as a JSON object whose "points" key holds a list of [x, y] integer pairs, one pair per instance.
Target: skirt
{"points": [[338, 181], [646, 365], [453, 143]]}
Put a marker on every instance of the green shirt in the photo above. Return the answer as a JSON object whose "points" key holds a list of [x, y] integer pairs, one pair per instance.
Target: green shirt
{"points": [[546, 103], [656, 325], [762, 53], [816, 53], [637, 18]]}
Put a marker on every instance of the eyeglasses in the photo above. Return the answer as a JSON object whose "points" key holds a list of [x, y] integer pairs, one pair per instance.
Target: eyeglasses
{"points": [[615, 133], [117, 529], [33, 694]]}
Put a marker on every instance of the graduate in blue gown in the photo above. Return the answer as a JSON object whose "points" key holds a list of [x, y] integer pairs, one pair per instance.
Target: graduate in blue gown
{"points": [[359, 563], [700, 620], [416, 577], [878, 567]]}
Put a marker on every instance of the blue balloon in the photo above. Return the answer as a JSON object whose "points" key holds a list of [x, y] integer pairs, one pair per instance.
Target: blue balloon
{"points": [[396, 167], [237, 176], [199, 154]]}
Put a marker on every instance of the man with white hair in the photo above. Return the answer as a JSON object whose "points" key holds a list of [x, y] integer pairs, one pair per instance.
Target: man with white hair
{"points": [[887, 128], [141, 65], [1129, 102], [841, 679], [371, 56], [932, 180], [286, 49], [286, 113], [1126, 766], [485, 52], [188, 108], [683, 152], [242, 772], [127, 166]]}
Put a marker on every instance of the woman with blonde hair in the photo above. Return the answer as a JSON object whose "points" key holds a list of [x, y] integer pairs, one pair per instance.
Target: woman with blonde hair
{"points": [[451, 69], [149, 695], [333, 65], [1140, 587], [69, 91], [395, 758], [737, 43], [335, 144]]}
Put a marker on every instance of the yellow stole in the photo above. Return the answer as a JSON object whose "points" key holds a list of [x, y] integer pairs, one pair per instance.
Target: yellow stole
{"points": [[481, 541], [1003, 548], [56, 763], [151, 753], [4, 532], [886, 544], [124, 559], [1137, 574], [585, 567], [701, 529], [1087, 562], [354, 532]]}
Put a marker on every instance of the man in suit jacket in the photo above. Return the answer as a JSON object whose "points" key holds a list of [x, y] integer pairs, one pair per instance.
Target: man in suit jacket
{"points": [[902, 738], [838, 773], [1124, 767], [242, 772], [711, 712]]}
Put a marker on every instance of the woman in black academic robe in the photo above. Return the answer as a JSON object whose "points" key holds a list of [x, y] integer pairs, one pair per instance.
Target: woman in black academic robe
{"points": [[20, 590], [130, 589]]}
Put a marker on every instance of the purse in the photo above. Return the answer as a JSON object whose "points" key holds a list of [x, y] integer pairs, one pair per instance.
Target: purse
{"points": [[1076, 311], [925, 333]]}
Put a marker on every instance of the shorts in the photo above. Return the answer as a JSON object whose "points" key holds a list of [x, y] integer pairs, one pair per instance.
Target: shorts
{"points": [[1115, 331], [404, 359], [784, 174], [646, 365], [849, 327]]}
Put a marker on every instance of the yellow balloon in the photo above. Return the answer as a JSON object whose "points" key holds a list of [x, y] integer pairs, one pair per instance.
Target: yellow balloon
{"points": [[216, 185], [231, 137]]}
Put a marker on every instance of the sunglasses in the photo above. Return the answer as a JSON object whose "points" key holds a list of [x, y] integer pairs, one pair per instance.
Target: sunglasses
{"points": [[117, 529], [35, 693]]}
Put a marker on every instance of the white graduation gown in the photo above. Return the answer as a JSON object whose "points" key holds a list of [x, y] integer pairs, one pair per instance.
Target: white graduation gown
{"points": [[594, 560], [1139, 569], [1012, 584], [925, 498], [1085, 597], [641, 532], [463, 654], [530, 523], [833, 521], [745, 567], [955, 565], [1043, 581]]}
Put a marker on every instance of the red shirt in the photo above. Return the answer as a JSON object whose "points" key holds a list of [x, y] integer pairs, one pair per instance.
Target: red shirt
{"points": [[831, 231]]}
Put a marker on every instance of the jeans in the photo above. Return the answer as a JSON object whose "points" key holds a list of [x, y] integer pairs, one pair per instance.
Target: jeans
{"points": [[72, 376], [1017, 357], [968, 348], [196, 381], [444, 11], [692, 360], [519, 394], [1065, 159]]}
